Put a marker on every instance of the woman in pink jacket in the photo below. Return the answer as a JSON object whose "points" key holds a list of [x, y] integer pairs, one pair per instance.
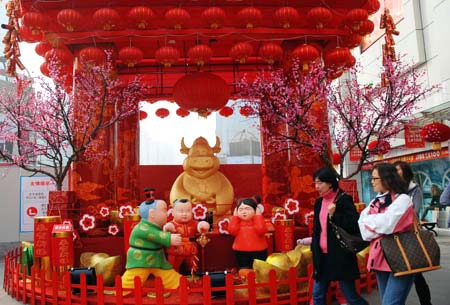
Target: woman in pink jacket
{"points": [[391, 211]]}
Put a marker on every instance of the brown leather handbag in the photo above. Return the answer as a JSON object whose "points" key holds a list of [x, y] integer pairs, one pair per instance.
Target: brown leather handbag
{"points": [[411, 252]]}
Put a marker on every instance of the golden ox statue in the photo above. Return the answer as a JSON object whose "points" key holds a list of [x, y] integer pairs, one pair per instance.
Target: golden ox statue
{"points": [[201, 181]]}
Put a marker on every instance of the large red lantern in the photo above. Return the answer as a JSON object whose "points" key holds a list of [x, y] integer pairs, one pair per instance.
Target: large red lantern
{"points": [[162, 113], [379, 147], [320, 17], [141, 17], [106, 19], [271, 52], [92, 56], [59, 56], [436, 133], [351, 61], [305, 55], [355, 17], [69, 19], [131, 56], [371, 6], [250, 17], [27, 35], [352, 40], [200, 54], [42, 48], [44, 69], [241, 51], [35, 21], [226, 111], [334, 74], [167, 55], [365, 28], [214, 17], [286, 17], [201, 92], [337, 57], [177, 18], [182, 112]]}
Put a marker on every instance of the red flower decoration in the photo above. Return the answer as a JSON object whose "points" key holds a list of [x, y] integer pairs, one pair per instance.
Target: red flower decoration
{"points": [[125, 209], [199, 211], [104, 211], [223, 226], [87, 222], [292, 206], [113, 229]]}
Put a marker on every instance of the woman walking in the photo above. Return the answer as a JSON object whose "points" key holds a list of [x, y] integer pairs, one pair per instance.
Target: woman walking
{"points": [[331, 262]]}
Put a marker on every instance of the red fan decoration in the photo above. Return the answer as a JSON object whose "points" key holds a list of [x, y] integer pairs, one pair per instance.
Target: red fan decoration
{"points": [[436, 133], [162, 113]]}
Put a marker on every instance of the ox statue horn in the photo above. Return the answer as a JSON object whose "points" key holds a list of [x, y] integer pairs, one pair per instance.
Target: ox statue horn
{"points": [[184, 149], [216, 148]]}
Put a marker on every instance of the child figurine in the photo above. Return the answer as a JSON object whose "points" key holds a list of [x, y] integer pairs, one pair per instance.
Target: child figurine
{"points": [[187, 227], [249, 228], [147, 242]]}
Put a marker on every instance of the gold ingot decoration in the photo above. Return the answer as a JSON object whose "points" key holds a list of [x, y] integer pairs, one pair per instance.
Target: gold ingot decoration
{"points": [[106, 266], [298, 258]]}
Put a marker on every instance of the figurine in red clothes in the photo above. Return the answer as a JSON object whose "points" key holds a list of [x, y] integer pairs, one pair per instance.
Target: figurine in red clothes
{"points": [[249, 229], [188, 228]]}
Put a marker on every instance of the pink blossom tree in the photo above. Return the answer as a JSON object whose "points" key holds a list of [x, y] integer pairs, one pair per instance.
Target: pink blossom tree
{"points": [[50, 128], [358, 113]]}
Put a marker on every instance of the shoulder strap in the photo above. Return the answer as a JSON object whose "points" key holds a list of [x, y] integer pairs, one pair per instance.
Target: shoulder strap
{"points": [[338, 197]]}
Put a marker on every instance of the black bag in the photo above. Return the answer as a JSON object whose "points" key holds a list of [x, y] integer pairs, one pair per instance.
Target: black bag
{"points": [[75, 274], [411, 252], [347, 241]]}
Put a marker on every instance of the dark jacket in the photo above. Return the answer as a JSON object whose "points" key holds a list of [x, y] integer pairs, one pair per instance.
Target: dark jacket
{"points": [[342, 264]]}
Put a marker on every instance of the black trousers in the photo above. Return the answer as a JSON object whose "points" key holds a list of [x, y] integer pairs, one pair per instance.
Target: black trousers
{"points": [[422, 289], [245, 258]]}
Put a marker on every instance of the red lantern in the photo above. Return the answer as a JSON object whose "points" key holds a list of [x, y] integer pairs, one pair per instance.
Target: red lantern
{"points": [[44, 69], [214, 17], [167, 56], [352, 41], [226, 111], [271, 52], [69, 19], [333, 74], [35, 21], [241, 51], [379, 147], [351, 61], [366, 27], [42, 48], [162, 113], [305, 55], [200, 54], [286, 17], [141, 17], [182, 112], [320, 17], [250, 17], [355, 17], [106, 19], [142, 115], [92, 56], [336, 159], [337, 57], [131, 56], [246, 110], [177, 18], [59, 56], [201, 92], [27, 35], [435, 133], [371, 6]]}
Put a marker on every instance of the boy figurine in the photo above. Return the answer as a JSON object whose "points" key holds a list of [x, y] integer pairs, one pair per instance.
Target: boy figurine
{"points": [[187, 227], [147, 242]]}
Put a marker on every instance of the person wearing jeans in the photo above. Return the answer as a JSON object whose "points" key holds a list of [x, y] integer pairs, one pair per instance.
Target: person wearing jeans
{"points": [[391, 211]]}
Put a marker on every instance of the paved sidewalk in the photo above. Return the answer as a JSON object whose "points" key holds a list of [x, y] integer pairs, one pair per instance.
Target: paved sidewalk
{"points": [[437, 280]]}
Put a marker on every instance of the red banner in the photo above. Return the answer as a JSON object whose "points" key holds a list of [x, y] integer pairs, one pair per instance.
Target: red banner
{"points": [[355, 154], [413, 138], [284, 235]]}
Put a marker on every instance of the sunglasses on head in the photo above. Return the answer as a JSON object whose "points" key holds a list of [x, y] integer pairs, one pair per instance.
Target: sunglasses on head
{"points": [[183, 200]]}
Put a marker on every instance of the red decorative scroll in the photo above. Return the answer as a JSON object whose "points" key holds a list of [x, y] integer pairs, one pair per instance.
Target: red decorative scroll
{"points": [[413, 138], [284, 235], [42, 234], [62, 246]]}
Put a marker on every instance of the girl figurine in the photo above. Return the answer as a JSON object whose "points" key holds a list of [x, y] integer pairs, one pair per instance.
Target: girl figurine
{"points": [[249, 229]]}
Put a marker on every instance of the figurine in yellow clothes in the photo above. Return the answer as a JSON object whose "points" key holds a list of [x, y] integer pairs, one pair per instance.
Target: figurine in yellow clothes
{"points": [[147, 242]]}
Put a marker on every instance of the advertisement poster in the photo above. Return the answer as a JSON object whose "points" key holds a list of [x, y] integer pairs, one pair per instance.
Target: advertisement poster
{"points": [[33, 200]]}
